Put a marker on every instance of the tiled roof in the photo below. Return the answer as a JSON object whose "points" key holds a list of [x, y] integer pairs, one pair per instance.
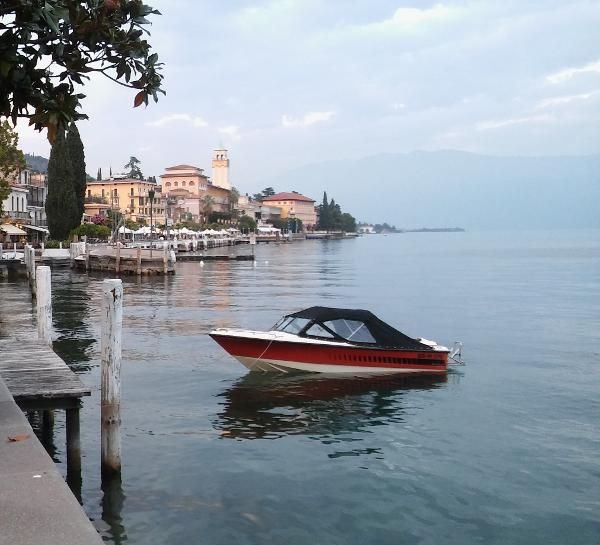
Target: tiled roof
{"points": [[120, 181], [292, 196], [181, 167]]}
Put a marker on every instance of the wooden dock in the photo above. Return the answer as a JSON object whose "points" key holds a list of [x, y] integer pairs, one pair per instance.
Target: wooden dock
{"points": [[36, 503], [36, 377], [211, 257]]}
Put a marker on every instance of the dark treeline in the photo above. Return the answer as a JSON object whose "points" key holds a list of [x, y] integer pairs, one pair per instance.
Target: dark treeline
{"points": [[331, 217]]}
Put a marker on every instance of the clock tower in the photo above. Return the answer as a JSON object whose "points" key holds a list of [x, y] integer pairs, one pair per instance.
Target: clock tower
{"points": [[220, 169]]}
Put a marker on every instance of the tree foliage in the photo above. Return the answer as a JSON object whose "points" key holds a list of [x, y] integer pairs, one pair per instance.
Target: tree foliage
{"points": [[11, 159], [331, 217], [47, 48], [77, 159], [62, 206], [266, 192], [134, 168], [208, 202], [92, 230], [247, 223]]}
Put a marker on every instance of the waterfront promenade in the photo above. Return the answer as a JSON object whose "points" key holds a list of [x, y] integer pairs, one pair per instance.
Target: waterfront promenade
{"points": [[36, 505]]}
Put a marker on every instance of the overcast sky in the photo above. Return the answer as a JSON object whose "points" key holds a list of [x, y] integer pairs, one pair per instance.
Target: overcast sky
{"points": [[284, 83]]}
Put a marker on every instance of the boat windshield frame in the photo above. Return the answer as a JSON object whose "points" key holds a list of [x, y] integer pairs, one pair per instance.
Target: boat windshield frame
{"points": [[300, 326]]}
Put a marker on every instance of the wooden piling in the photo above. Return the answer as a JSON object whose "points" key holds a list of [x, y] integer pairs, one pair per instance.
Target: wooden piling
{"points": [[112, 320], [118, 258], [32, 278], [138, 268], [73, 451], [87, 257], [166, 258], [44, 303]]}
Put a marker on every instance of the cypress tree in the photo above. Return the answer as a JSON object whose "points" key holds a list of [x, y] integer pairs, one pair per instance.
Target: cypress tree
{"points": [[61, 203], [99, 175], [77, 158], [324, 215]]}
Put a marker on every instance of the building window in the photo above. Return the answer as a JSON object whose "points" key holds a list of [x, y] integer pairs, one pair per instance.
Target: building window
{"points": [[191, 184], [89, 193], [131, 192], [168, 184], [176, 184], [183, 184]]}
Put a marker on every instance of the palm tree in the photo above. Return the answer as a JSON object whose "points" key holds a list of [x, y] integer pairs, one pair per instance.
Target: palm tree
{"points": [[207, 203], [234, 197]]}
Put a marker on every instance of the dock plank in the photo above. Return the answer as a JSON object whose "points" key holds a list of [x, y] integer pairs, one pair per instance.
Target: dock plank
{"points": [[32, 370]]}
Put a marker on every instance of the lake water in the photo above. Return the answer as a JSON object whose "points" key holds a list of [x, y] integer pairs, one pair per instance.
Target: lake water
{"points": [[506, 450]]}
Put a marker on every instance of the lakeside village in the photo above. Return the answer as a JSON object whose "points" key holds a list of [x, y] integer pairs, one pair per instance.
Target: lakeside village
{"points": [[186, 205]]}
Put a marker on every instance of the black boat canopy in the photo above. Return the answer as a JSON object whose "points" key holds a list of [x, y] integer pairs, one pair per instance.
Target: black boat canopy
{"points": [[350, 325]]}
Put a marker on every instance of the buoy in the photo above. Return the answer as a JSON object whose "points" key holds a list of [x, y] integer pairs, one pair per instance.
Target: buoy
{"points": [[266, 262]]}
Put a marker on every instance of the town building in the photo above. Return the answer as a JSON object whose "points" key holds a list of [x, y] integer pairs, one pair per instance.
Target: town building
{"points": [[293, 205], [24, 207], [366, 229], [191, 195], [246, 206], [129, 196]]}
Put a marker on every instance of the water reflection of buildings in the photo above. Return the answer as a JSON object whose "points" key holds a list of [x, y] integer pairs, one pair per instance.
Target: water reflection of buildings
{"points": [[265, 406]]}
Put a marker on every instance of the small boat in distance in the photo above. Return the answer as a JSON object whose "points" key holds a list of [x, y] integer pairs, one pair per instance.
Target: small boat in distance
{"points": [[333, 340]]}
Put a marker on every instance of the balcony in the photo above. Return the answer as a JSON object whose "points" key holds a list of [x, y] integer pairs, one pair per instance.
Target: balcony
{"points": [[39, 204], [95, 199], [18, 215]]}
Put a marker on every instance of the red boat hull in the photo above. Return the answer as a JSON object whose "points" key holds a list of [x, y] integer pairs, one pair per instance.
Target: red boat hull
{"points": [[274, 355]]}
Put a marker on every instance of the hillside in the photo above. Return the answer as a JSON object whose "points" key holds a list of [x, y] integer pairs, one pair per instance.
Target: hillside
{"points": [[447, 188], [36, 162]]}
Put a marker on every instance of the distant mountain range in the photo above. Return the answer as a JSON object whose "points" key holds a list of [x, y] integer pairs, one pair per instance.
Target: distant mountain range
{"points": [[40, 164], [447, 188]]}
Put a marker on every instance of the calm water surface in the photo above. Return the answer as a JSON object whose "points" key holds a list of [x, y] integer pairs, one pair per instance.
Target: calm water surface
{"points": [[503, 451]]}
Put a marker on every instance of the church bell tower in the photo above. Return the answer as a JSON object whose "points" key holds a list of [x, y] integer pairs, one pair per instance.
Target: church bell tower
{"points": [[220, 169]]}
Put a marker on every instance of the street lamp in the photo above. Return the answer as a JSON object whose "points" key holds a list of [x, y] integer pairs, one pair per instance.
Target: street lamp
{"points": [[151, 196]]}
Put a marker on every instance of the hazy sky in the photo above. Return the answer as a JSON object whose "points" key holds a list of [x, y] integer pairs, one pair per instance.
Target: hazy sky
{"points": [[284, 83]]}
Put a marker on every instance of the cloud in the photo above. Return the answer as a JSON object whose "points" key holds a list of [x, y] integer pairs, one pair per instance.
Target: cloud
{"points": [[310, 118], [174, 118], [569, 73], [560, 101], [500, 124], [231, 130]]}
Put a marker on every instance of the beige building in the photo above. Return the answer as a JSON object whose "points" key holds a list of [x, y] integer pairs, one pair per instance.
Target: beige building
{"points": [[186, 186], [128, 195], [187, 177], [294, 205]]}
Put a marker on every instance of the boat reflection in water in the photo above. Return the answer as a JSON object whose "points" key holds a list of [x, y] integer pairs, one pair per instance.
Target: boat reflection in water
{"points": [[266, 406]]}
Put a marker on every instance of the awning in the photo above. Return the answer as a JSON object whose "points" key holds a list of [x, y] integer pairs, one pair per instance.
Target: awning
{"points": [[11, 229], [36, 228]]}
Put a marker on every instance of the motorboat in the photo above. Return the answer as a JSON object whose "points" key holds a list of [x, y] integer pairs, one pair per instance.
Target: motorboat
{"points": [[333, 340]]}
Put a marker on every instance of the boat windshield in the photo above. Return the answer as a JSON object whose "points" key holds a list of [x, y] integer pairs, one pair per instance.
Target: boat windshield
{"points": [[351, 330], [291, 325]]}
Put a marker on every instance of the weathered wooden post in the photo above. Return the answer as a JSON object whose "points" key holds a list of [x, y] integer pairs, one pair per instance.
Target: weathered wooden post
{"points": [[87, 257], [112, 320], [73, 451], [44, 303], [165, 258], [0, 250], [118, 258], [32, 278], [138, 268]]}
